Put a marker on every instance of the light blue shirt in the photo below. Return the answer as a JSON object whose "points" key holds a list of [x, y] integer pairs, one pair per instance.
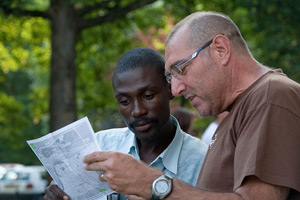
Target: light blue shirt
{"points": [[182, 159]]}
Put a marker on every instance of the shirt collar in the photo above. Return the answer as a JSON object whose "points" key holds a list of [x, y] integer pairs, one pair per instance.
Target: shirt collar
{"points": [[169, 156], [130, 146]]}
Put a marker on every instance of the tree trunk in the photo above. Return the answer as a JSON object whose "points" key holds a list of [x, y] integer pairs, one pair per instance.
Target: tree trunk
{"points": [[63, 66]]}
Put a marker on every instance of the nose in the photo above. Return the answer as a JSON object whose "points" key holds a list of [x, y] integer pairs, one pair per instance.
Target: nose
{"points": [[138, 109], [177, 87]]}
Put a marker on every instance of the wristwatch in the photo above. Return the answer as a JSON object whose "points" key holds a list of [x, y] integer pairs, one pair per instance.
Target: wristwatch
{"points": [[161, 187]]}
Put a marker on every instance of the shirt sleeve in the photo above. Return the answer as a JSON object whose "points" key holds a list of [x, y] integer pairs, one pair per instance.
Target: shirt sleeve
{"points": [[268, 147]]}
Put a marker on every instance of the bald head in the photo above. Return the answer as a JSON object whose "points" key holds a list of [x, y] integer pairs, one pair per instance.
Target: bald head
{"points": [[204, 26]]}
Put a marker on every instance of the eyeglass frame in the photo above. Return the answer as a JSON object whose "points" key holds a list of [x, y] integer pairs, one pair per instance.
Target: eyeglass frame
{"points": [[185, 61]]}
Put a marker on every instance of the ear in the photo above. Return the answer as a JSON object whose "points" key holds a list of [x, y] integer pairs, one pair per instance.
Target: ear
{"points": [[221, 50]]}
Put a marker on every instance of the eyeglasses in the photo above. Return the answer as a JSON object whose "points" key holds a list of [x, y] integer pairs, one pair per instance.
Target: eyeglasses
{"points": [[178, 69]]}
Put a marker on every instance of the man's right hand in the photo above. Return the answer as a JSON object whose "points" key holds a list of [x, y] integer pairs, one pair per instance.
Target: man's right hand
{"points": [[53, 192]]}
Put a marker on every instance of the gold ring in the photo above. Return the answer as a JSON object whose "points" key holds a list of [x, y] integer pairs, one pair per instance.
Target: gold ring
{"points": [[102, 177]]}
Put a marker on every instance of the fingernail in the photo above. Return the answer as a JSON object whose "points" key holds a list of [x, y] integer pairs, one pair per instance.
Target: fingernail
{"points": [[66, 198]]}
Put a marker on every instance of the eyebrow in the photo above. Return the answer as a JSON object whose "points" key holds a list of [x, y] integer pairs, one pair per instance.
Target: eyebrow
{"points": [[175, 63], [147, 87], [191, 56]]}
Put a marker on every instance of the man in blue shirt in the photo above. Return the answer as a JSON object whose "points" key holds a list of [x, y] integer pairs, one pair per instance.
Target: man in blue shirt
{"points": [[152, 135]]}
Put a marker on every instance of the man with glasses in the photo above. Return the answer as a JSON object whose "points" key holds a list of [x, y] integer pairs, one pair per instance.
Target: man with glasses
{"points": [[152, 135], [255, 152]]}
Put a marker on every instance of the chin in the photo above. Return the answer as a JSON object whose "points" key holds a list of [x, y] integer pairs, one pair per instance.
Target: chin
{"points": [[203, 113], [144, 139]]}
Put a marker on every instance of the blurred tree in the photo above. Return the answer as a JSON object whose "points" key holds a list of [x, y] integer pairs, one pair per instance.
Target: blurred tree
{"points": [[24, 60], [27, 49], [68, 18], [271, 28], [276, 33], [23, 55]]}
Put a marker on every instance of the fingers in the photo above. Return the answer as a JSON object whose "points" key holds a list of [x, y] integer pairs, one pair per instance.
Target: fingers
{"points": [[53, 192], [96, 160], [97, 156], [47, 197], [100, 156]]}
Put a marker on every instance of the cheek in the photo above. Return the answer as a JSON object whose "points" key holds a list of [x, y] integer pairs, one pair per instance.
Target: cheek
{"points": [[164, 108], [196, 84], [124, 111], [159, 106], [154, 107], [194, 79], [203, 83]]}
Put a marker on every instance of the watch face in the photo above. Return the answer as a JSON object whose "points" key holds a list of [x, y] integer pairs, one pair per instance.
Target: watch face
{"points": [[162, 186]]}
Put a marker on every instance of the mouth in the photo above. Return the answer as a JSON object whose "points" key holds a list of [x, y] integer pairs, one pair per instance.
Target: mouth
{"points": [[143, 124], [190, 98], [142, 127]]}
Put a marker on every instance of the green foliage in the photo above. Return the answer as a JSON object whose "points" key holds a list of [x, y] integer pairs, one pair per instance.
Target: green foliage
{"points": [[25, 4], [24, 64], [277, 24], [15, 129], [269, 27], [181, 8], [99, 51], [11, 120], [27, 46], [7, 64], [150, 16]]}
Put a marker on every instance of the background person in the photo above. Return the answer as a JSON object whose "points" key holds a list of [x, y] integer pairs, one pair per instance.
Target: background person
{"points": [[212, 127], [256, 150], [185, 117], [152, 135]]}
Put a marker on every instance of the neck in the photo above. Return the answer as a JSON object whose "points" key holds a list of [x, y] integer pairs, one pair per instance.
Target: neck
{"points": [[149, 150], [244, 73]]}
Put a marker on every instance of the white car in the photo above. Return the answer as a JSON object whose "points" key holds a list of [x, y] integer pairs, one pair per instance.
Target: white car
{"points": [[2, 171], [28, 182]]}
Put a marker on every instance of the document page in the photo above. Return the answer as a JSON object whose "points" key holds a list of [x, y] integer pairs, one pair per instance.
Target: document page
{"points": [[61, 152]]}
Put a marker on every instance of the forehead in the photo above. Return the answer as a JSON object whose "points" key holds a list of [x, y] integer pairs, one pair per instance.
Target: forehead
{"points": [[177, 48], [137, 79]]}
